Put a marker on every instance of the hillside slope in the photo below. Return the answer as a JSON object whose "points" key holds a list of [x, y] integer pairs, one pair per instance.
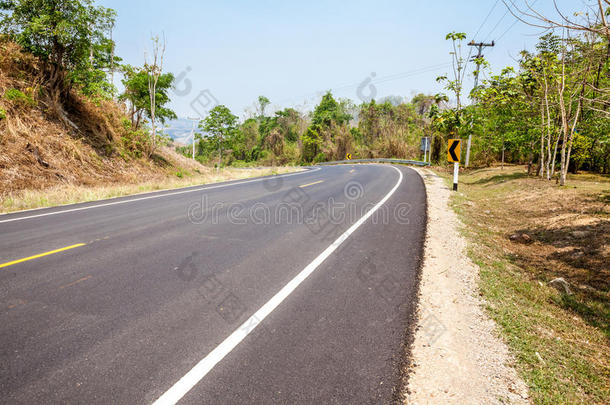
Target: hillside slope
{"points": [[44, 143]]}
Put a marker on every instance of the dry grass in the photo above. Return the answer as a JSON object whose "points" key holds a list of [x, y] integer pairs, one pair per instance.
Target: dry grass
{"points": [[45, 144], [40, 147], [70, 194], [562, 342]]}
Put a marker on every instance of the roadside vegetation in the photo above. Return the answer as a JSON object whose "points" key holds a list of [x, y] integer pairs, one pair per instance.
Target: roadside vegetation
{"points": [[390, 128], [66, 134], [524, 234]]}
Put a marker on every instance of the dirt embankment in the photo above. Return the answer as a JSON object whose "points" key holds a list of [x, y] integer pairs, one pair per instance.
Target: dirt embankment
{"points": [[457, 357], [541, 253], [45, 143]]}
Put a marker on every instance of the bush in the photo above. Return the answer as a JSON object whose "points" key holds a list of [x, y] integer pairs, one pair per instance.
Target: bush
{"points": [[320, 157], [291, 154], [243, 163], [135, 142], [311, 144], [2, 114], [19, 98]]}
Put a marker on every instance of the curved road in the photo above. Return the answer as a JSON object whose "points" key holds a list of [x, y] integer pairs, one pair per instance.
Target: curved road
{"points": [[292, 289]]}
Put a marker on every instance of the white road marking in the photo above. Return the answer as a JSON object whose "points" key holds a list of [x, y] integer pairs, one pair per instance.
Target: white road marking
{"points": [[152, 196], [196, 374]]}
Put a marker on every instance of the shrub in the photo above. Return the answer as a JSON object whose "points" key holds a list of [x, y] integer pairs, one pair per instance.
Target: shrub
{"points": [[2, 114], [320, 157], [19, 98]]}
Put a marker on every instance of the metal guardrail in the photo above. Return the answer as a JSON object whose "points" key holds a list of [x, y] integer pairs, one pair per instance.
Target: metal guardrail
{"points": [[380, 160]]}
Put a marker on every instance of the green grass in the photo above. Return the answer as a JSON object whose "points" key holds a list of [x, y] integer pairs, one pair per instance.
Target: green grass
{"points": [[18, 97], [561, 343]]}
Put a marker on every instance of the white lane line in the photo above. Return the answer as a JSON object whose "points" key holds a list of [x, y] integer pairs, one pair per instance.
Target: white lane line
{"points": [[196, 374], [154, 196]]}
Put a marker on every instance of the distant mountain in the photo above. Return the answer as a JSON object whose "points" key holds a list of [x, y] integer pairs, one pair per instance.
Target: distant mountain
{"points": [[180, 130]]}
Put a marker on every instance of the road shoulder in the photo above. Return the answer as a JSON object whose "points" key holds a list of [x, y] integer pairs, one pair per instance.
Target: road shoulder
{"points": [[456, 355]]}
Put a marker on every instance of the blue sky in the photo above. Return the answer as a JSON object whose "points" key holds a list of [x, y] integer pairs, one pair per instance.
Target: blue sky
{"points": [[291, 51]]}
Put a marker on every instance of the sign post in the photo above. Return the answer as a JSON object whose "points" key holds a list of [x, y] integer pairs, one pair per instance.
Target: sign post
{"points": [[454, 152], [425, 147]]}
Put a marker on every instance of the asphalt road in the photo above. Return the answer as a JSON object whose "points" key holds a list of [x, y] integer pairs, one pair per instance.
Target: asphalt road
{"points": [[292, 289]]}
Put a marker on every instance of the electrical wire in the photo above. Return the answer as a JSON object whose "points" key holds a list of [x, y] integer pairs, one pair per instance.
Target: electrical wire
{"points": [[486, 18]]}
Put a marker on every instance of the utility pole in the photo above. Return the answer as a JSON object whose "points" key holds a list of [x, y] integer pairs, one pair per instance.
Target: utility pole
{"points": [[195, 121], [480, 46]]}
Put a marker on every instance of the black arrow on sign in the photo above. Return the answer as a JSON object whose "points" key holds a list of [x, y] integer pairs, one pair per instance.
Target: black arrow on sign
{"points": [[452, 151]]}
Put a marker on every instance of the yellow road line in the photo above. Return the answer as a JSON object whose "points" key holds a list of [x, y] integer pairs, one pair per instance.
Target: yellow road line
{"points": [[41, 255], [311, 184]]}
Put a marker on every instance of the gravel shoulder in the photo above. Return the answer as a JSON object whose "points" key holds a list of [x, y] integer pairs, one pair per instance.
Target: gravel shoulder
{"points": [[457, 355]]}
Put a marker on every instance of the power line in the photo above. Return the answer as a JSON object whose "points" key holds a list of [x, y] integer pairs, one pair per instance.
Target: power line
{"points": [[383, 79], [412, 73], [513, 24], [487, 18], [496, 26]]}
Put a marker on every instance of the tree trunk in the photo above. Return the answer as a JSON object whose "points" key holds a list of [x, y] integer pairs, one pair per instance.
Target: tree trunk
{"points": [[530, 162], [549, 169], [541, 169], [553, 164], [564, 122], [503, 151]]}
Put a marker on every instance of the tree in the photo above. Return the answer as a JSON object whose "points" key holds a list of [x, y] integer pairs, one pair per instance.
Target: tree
{"points": [[458, 65], [69, 36], [137, 94], [311, 144], [263, 102], [220, 124], [581, 21], [290, 123], [245, 141], [154, 70], [329, 111], [592, 24]]}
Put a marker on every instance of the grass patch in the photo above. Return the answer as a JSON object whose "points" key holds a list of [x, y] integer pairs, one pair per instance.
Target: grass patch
{"points": [[561, 342], [19, 98]]}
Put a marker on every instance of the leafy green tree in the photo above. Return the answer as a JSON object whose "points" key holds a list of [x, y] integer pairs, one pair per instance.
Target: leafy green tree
{"points": [[456, 83], [290, 123], [70, 37], [263, 102], [245, 141], [311, 144], [221, 125], [137, 93], [329, 111]]}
